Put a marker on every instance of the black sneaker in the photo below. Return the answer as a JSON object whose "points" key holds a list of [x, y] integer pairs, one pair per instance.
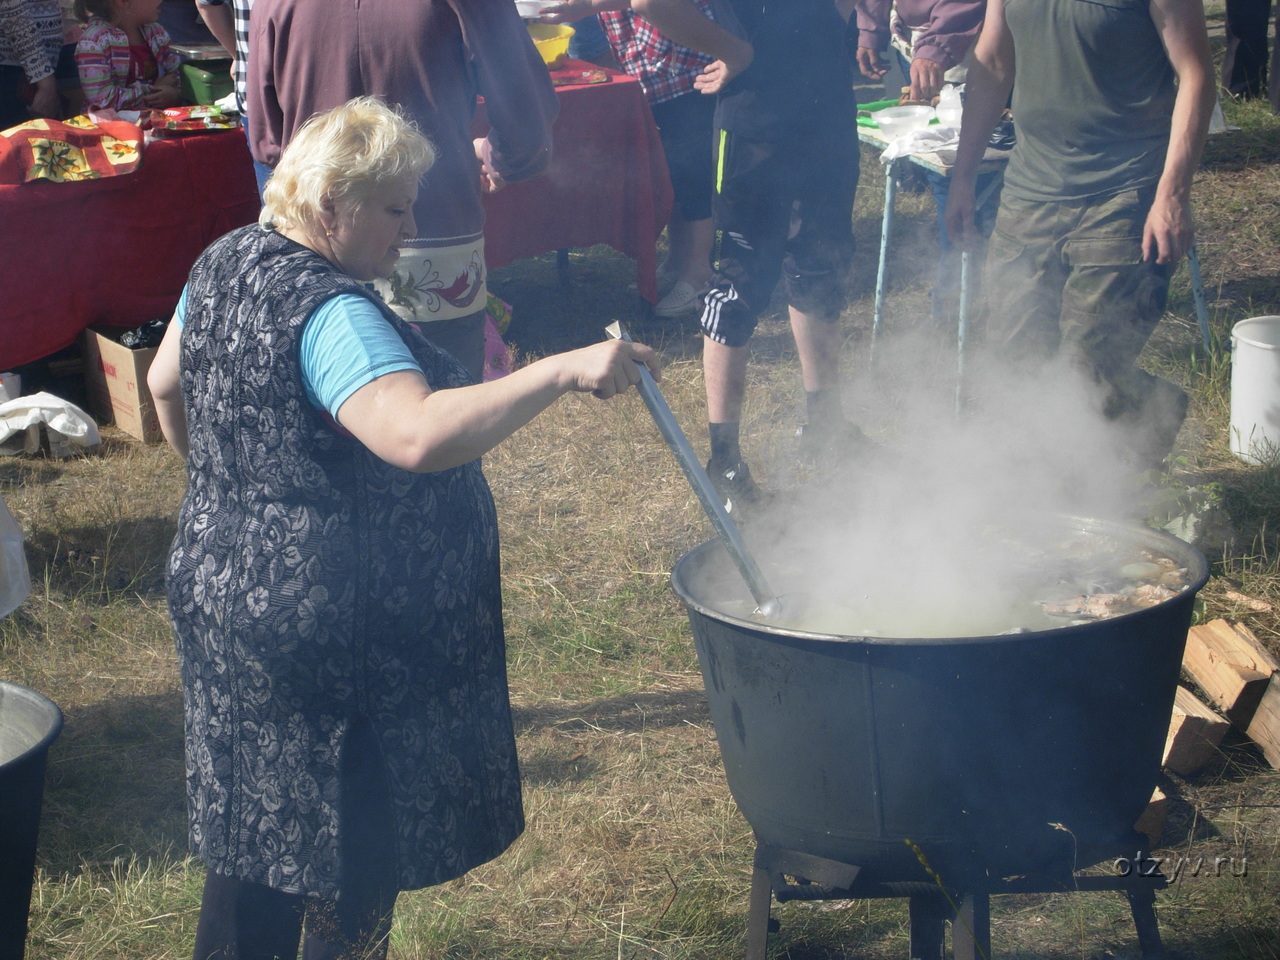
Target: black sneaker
{"points": [[835, 442], [738, 492]]}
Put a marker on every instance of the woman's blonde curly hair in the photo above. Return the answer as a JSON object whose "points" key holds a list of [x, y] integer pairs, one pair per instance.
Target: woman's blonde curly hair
{"points": [[344, 154]]}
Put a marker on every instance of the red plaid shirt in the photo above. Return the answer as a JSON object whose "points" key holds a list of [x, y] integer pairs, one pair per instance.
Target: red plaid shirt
{"points": [[665, 70]]}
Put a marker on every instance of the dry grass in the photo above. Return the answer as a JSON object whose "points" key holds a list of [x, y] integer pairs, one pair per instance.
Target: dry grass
{"points": [[634, 847]]}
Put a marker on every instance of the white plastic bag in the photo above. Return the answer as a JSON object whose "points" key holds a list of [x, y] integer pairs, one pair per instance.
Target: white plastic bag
{"points": [[950, 106], [935, 139], [15, 579], [70, 429]]}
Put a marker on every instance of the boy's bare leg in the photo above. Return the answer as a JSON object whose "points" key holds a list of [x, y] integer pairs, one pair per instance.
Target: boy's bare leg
{"points": [[818, 346], [724, 370]]}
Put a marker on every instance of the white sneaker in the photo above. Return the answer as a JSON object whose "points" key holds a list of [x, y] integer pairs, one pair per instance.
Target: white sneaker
{"points": [[680, 300], [665, 281]]}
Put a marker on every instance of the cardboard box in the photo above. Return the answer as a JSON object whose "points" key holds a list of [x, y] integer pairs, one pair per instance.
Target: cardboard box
{"points": [[117, 380]]}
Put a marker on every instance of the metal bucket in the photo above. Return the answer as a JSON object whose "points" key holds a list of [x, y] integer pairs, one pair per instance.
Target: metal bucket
{"points": [[29, 723], [987, 756]]}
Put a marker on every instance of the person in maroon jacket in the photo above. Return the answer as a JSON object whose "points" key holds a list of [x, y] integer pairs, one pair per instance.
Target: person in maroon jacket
{"points": [[932, 36], [431, 57]]}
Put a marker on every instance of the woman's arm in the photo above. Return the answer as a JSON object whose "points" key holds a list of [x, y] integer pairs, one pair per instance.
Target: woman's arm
{"points": [[19, 28], [409, 425], [218, 17], [166, 389], [520, 102]]}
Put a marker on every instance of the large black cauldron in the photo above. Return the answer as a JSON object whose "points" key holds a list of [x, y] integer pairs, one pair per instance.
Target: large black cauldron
{"points": [[994, 756]]}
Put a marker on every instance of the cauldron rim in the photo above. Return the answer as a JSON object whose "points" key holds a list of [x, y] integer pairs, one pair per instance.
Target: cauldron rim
{"points": [[1179, 550]]}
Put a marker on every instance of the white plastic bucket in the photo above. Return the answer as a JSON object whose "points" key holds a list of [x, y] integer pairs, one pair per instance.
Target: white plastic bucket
{"points": [[1255, 390]]}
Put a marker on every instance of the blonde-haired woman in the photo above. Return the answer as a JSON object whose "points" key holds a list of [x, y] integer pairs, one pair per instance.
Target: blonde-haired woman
{"points": [[334, 579]]}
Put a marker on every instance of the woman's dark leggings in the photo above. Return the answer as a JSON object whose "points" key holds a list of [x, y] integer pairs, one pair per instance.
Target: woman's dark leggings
{"points": [[240, 920]]}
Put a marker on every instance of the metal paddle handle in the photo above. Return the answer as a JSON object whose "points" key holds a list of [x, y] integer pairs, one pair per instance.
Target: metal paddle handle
{"points": [[767, 604]]}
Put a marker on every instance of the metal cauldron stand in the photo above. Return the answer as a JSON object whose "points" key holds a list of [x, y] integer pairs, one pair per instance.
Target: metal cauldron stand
{"points": [[787, 875]]}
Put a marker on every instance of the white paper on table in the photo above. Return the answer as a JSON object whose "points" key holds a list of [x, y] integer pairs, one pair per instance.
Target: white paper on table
{"points": [[932, 139]]}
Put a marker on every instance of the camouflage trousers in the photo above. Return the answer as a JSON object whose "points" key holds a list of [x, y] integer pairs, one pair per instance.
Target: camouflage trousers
{"points": [[1068, 280]]}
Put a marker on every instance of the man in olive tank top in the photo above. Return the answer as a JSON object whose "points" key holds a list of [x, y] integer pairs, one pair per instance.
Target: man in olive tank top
{"points": [[1111, 108]]}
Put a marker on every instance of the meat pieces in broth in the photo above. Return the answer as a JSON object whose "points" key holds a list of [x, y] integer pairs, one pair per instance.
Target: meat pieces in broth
{"points": [[1137, 585]]}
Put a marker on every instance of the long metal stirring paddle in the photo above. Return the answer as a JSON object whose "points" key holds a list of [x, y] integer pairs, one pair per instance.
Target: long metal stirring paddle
{"points": [[767, 604]]}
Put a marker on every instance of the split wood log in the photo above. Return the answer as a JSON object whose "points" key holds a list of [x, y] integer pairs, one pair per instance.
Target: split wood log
{"points": [[1253, 603], [1229, 663], [1194, 734], [1264, 728], [1151, 823]]}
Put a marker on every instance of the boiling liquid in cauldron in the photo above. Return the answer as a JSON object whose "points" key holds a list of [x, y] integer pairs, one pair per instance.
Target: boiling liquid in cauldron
{"points": [[1008, 587]]}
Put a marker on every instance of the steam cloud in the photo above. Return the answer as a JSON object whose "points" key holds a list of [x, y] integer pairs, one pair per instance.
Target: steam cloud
{"points": [[951, 528]]}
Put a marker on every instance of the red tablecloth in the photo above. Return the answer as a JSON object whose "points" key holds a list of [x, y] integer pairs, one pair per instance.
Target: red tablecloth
{"points": [[115, 251], [607, 182]]}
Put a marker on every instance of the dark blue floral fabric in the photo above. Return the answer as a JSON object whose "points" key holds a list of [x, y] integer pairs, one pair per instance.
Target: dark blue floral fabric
{"points": [[311, 582]]}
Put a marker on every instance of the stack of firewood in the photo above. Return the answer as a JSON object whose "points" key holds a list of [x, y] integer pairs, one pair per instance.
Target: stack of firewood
{"points": [[1242, 683]]}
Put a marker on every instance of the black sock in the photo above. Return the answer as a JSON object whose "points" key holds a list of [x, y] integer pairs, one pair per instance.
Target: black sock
{"points": [[824, 407], [724, 443]]}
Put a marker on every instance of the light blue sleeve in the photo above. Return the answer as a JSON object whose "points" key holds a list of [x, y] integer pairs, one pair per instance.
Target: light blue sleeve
{"points": [[347, 343]]}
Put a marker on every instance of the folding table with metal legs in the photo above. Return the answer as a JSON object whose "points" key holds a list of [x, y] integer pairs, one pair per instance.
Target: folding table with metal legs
{"points": [[994, 161]]}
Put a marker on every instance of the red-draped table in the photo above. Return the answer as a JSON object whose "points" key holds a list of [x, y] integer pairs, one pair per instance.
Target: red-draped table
{"points": [[115, 251], [607, 182]]}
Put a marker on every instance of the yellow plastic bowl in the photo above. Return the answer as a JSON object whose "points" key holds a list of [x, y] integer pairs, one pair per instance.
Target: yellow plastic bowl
{"points": [[552, 41]]}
